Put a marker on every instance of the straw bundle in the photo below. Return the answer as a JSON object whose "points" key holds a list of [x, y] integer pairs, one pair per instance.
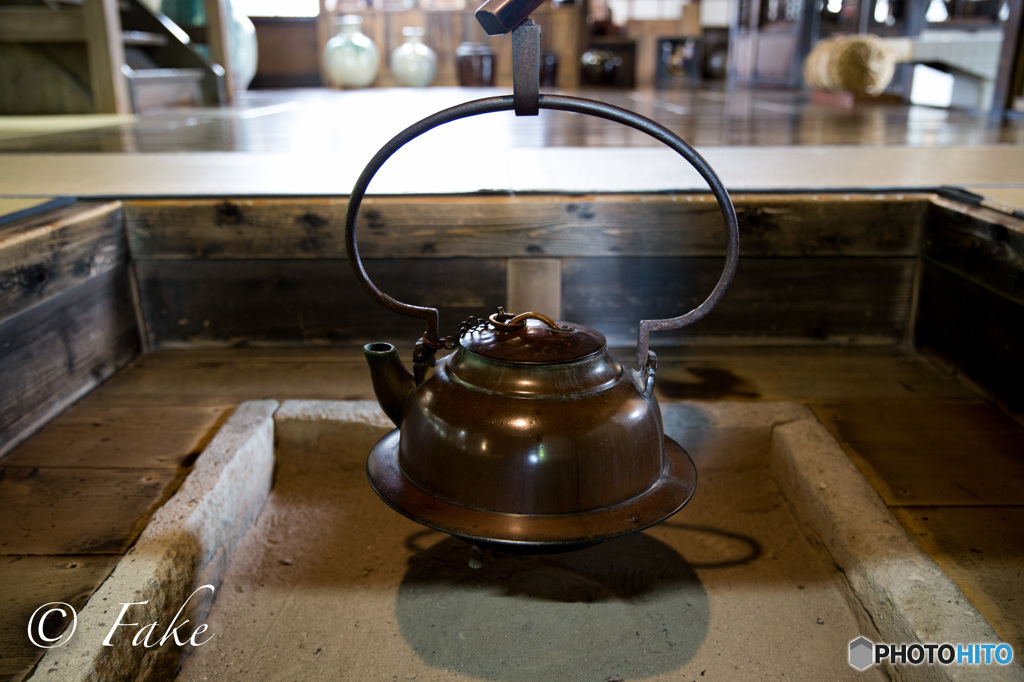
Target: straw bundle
{"points": [[861, 64]]}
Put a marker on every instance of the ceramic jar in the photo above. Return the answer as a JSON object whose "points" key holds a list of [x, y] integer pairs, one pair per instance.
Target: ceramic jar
{"points": [[474, 63], [413, 64], [351, 59], [600, 67]]}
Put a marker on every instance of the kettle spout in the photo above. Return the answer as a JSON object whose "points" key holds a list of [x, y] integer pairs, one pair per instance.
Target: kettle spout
{"points": [[392, 382]]}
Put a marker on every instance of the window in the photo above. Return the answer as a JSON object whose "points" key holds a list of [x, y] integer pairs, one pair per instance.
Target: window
{"points": [[645, 10], [278, 8]]}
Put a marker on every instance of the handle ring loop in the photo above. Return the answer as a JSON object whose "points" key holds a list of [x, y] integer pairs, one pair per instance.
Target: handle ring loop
{"points": [[430, 316]]}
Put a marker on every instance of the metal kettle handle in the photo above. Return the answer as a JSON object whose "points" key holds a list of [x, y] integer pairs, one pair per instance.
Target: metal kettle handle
{"points": [[560, 103]]}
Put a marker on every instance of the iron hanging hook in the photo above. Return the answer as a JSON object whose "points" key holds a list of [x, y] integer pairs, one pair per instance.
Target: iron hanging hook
{"points": [[556, 103], [526, 68], [498, 17]]}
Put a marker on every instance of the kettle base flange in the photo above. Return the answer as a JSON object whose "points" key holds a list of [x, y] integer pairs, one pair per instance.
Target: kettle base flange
{"points": [[532, 532]]}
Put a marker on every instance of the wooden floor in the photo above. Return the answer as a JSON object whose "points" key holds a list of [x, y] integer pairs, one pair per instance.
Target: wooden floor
{"points": [[947, 462], [315, 142], [297, 121]]}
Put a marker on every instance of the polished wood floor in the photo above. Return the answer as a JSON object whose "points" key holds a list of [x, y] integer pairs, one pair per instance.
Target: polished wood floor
{"points": [[324, 120], [315, 143]]}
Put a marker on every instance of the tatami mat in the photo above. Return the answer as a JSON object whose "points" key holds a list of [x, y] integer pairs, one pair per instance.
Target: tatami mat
{"points": [[16, 208], [1006, 199], [433, 169]]}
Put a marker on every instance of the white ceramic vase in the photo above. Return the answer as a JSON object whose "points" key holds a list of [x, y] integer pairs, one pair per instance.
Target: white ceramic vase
{"points": [[351, 59], [413, 64]]}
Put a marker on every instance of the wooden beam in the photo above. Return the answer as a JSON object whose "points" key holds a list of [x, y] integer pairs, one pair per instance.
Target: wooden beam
{"points": [[1011, 60], [538, 226], [106, 57], [31, 25]]}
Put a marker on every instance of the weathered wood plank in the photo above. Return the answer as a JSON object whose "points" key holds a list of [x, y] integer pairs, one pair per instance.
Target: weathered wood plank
{"points": [[248, 356], [819, 299], [28, 583], [927, 452], [44, 256], [295, 301], [303, 301], [58, 350], [982, 549], [983, 245], [127, 450], [221, 378], [807, 374], [975, 328], [82, 416], [77, 510], [526, 226], [216, 376], [120, 437]]}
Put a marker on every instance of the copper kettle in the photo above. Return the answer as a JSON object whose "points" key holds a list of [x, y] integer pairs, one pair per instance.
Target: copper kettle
{"points": [[531, 435]]}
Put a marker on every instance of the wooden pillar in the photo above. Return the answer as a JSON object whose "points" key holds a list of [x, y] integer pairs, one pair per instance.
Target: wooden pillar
{"points": [[1011, 61], [217, 27], [105, 48], [534, 285]]}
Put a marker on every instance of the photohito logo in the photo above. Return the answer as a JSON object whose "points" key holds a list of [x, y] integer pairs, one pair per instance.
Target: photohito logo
{"points": [[864, 653]]}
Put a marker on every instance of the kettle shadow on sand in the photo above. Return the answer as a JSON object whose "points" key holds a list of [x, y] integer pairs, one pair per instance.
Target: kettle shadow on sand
{"points": [[627, 608]]}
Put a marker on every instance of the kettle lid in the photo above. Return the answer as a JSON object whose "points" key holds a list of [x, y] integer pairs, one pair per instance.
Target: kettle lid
{"points": [[533, 339]]}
